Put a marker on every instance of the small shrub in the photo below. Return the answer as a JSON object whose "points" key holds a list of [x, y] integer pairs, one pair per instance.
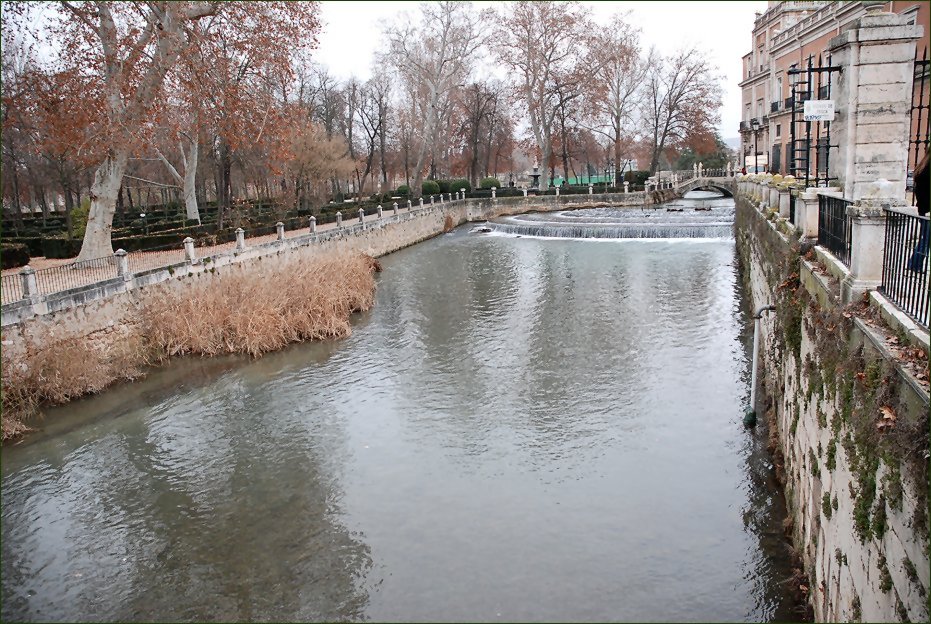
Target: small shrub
{"points": [[429, 187], [826, 505], [403, 190], [14, 255], [488, 183], [79, 218], [444, 185], [457, 185]]}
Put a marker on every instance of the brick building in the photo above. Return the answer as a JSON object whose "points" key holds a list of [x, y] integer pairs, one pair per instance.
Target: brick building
{"points": [[785, 37]]}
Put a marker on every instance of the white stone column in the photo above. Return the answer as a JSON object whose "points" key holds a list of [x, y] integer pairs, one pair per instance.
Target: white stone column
{"points": [[379, 211], [189, 253], [30, 285], [409, 205], [394, 207], [589, 189], [122, 264], [339, 219], [867, 242], [626, 187], [557, 191], [362, 216], [432, 199], [313, 225], [241, 235], [525, 192], [462, 190], [872, 97], [806, 213], [493, 192], [279, 228], [783, 203], [421, 202]]}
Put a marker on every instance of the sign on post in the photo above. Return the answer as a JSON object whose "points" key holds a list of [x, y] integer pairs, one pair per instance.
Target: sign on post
{"points": [[819, 110]]}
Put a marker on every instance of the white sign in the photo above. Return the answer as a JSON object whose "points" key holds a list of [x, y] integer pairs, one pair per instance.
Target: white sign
{"points": [[819, 110]]}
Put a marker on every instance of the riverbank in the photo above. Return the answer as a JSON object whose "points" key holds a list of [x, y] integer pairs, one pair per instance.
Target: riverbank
{"points": [[252, 312]]}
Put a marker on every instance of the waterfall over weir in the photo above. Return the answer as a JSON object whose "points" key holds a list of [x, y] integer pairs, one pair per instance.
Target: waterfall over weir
{"points": [[697, 215]]}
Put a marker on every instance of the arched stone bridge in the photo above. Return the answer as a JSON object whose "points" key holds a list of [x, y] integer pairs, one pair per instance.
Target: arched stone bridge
{"points": [[727, 185]]}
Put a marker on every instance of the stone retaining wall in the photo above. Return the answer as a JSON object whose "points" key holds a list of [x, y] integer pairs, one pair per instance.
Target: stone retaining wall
{"points": [[856, 489]]}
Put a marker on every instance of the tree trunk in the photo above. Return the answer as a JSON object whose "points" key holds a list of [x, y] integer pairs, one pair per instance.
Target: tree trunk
{"points": [[103, 191], [69, 206], [189, 184]]}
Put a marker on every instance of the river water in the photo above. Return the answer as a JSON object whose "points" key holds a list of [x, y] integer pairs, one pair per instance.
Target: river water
{"points": [[521, 429]]}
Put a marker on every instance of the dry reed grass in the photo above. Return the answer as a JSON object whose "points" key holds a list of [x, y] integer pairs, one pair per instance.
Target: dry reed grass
{"points": [[263, 311], [255, 313], [61, 371]]}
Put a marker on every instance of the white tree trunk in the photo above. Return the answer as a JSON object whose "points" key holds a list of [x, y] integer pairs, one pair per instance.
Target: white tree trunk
{"points": [[97, 237], [190, 189]]}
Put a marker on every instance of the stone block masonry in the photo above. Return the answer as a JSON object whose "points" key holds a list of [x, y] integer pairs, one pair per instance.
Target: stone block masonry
{"points": [[849, 432]]}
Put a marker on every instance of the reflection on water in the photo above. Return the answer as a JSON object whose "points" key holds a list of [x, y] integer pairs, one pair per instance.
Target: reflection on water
{"points": [[521, 429]]}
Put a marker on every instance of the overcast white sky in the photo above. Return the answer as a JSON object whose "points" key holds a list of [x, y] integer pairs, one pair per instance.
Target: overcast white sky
{"points": [[351, 36]]}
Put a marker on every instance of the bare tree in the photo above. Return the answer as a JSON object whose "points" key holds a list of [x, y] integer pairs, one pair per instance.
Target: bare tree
{"points": [[682, 97], [543, 43], [433, 55], [617, 88]]}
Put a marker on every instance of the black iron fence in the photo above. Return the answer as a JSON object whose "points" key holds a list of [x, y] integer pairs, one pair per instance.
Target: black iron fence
{"points": [[834, 226], [792, 208], [905, 264], [918, 138]]}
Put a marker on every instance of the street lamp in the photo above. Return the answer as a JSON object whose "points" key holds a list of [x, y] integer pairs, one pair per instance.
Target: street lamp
{"points": [[755, 124]]}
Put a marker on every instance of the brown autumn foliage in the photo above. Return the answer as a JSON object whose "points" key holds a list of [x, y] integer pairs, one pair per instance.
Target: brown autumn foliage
{"points": [[264, 311]]}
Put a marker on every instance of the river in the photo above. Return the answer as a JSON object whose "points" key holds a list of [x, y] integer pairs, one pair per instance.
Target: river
{"points": [[523, 428]]}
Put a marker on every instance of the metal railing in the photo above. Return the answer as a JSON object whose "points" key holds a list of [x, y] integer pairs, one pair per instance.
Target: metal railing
{"points": [[834, 226], [792, 208], [905, 264], [75, 274], [11, 288]]}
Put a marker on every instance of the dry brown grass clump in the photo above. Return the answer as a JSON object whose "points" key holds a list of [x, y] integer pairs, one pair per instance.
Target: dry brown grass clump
{"points": [[61, 371], [290, 301]]}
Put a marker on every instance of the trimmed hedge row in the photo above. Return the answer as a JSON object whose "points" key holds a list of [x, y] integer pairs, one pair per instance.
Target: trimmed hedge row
{"points": [[13, 255]]}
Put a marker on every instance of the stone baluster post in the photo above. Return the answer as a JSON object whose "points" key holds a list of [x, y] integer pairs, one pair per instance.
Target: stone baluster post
{"points": [[525, 192], [189, 253], [867, 243], [30, 286], [589, 189], [339, 219], [421, 202], [462, 190], [626, 187], [362, 216], [493, 189], [806, 213], [394, 207], [379, 211], [241, 237], [409, 205], [313, 225], [432, 199], [557, 191], [279, 228], [122, 264]]}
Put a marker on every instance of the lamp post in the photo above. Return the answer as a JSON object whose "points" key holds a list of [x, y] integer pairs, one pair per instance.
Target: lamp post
{"points": [[755, 124]]}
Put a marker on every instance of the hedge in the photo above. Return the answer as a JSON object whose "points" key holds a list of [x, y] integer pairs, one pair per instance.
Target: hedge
{"points": [[60, 247], [487, 183], [429, 187], [13, 255]]}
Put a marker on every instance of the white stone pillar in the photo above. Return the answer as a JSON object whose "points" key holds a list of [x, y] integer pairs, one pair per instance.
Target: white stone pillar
{"points": [[806, 213], [279, 228], [493, 189], [525, 192], [30, 285], [421, 202], [462, 190], [313, 225], [379, 211], [589, 189], [872, 97], [362, 216], [867, 242], [339, 219], [394, 207], [783, 203], [700, 170], [694, 170], [626, 187], [557, 191], [122, 263], [241, 235], [432, 199], [409, 205], [189, 254]]}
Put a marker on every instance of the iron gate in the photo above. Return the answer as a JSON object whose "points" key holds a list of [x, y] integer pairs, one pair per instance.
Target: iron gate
{"points": [[810, 137]]}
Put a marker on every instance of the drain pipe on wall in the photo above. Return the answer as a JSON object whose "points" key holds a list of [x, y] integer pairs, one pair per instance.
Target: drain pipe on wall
{"points": [[750, 417]]}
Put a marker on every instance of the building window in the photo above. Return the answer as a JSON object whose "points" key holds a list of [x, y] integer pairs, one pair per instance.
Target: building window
{"points": [[778, 131]]}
